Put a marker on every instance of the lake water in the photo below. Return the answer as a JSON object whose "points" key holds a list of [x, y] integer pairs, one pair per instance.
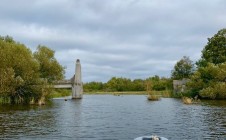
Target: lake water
{"points": [[108, 117]]}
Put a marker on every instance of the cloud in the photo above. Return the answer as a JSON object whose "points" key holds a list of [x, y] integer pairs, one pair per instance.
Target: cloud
{"points": [[130, 38]]}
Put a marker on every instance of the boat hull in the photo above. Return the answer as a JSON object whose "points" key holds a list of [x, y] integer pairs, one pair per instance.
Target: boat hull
{"points": [[149, 138]]}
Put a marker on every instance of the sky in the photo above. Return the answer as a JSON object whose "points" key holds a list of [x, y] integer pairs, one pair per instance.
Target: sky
{"points": [[133, 39]]}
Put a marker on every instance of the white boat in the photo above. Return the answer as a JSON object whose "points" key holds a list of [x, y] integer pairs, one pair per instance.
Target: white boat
{"points": [[150, 138]]}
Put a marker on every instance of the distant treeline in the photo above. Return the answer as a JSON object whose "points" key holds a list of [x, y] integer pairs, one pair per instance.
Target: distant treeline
{"points": [[116, 84]]}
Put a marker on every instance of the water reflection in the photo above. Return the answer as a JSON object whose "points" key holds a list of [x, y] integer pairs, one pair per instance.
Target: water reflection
{"points": [[26, 121], [100, 117]]}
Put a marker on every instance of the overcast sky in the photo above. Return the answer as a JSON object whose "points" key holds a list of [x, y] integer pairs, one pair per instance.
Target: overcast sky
{"points": [[123, 38]]}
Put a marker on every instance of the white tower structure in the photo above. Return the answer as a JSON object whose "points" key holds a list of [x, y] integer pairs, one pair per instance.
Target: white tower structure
{"points": [[77, 87]]}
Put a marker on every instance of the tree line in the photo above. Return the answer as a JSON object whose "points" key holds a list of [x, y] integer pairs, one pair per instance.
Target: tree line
{"points": [[25, 76], [117, 84]]}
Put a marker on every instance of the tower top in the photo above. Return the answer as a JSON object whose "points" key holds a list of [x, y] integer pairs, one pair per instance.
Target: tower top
{"points": [[77, 61]]}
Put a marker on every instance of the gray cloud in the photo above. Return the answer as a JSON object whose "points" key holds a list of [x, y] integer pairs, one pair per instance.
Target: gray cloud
{"points": [[130, 38]]}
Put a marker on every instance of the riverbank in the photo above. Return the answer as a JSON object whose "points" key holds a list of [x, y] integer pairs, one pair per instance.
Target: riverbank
{"points": [[165, 93], [118, 93]]}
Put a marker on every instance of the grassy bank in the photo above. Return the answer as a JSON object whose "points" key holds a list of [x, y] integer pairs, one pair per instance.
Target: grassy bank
{"points": [[165, 93], [60, 93], [118, 93]]}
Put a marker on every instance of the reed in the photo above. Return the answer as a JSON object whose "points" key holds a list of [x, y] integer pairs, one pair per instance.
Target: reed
{"points": [[153, 97], [187, 100]]}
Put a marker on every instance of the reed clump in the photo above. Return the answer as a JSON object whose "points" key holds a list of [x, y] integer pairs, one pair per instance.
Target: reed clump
{"points": [[153, 97]]}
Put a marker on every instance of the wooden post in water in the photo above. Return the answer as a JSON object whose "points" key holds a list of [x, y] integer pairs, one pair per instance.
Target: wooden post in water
{"points": [[77, 87]]}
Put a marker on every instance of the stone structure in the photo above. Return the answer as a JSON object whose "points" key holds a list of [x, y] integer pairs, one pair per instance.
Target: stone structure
{"points": [[77, 86], [179, 86], [75, 83]]}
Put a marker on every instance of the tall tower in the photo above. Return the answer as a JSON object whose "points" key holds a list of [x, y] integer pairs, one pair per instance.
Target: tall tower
{"points": [[77, 87]]}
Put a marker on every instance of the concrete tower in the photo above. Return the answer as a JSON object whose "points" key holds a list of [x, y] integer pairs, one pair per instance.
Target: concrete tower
{"points": [[77, 87]]}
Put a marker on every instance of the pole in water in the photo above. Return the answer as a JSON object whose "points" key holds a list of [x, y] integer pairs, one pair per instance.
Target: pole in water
{"points": [[77, 87]]}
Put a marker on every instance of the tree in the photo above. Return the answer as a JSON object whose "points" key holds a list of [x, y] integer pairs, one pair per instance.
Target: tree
{"points": [[138, 85], [18, 72], [93, 86], [119, 84], [210, 77], [49, 68], [209, 81], [215, 50], [183, 68]]}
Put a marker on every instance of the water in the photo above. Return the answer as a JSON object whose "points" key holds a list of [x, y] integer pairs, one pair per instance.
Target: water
{"points": [[108, 117]]}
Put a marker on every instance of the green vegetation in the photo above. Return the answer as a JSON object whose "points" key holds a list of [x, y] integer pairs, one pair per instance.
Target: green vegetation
{"points": [[26, 77], [49, 68], [60, 93], [22, 76], [164, 93], [209, 80], [215, 50], [184, 68], [124, 84]]}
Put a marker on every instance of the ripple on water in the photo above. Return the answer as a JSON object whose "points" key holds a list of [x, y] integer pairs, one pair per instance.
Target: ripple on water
{"points": [[98, 117]]}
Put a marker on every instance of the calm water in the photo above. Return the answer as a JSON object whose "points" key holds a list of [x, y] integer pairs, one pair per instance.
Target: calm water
{"points": [[108, 117]]}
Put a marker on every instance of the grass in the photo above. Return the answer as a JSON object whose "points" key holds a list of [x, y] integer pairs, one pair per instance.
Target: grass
{"points": [[118, 92], [60, 93], [153, 97], [165, 93]]}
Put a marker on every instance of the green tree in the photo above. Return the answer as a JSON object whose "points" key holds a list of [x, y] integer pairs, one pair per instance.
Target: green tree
{"points": [[119, 84], [209, 81], [49, 68], [138, 85], [183, 68], [18, 72], [215, 50], [22, 79], [93, 86], [159, 84]]}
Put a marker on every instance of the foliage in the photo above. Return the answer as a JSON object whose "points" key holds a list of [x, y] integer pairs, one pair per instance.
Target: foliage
{"points": [[215, 50], [59, 93], [217, 90], [159, 84], [18, 70], [20, 80], [93, 86], [116, 84], [183, 68], [137, 85], [209, 81], [49, 68]]}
